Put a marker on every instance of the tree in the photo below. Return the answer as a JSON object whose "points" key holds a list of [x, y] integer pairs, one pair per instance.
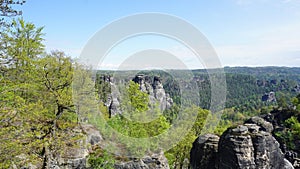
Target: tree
{"points": [[296, 102], [6, 9], [36, 109], [180, 153]]}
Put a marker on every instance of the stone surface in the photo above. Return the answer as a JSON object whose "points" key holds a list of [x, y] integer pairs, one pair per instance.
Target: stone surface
{"points": [[297, 88], [269, 97], [252, 149], [265, 126], [204, 152], [287, 164], [154, 87], [150, 85], [236, 149], [157, 161], [248, 146], [93, 135]]}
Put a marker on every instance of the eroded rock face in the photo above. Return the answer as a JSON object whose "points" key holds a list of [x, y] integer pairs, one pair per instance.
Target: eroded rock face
{"points": [[236, 149], [76, 157], [204, 152], [157, 161], [149, 85], [249, 146], [155, 89], [265, 126]]}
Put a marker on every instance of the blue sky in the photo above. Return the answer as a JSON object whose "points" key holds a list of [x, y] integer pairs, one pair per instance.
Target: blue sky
{"points": [[243, 32]]}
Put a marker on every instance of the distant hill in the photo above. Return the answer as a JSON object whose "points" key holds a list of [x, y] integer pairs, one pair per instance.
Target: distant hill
{"points": [[248, 88]]}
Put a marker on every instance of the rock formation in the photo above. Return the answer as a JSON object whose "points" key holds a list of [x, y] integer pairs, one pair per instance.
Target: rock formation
{"points": [[150, 85], [250, 146], [156, 161], [269, 97], [155, 89], [204, 152], [297, 88], [76, 157], [111, 94], [277, 117]]}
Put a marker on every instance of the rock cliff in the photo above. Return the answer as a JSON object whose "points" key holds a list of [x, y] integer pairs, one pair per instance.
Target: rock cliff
{"points": [[269, 97], [155, 89], [150, 85], [250, 146], [204, 152]]}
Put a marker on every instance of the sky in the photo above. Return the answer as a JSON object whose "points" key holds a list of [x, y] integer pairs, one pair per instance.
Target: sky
{"points": [[242, 32]]}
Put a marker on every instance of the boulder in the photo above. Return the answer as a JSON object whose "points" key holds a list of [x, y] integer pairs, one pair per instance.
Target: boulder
{"points": [[204, 152], [262, 123]]}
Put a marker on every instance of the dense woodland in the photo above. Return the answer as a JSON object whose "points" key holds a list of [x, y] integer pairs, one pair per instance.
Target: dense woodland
{"points": [[38, 117]]}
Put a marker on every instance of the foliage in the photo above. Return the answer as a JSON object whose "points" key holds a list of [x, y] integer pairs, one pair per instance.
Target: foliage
{"points": [[294, 125], [36, 110], [100, 159], [180, 153]]}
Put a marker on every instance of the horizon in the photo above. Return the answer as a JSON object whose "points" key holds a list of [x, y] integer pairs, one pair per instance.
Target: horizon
{"points": [[225, 67]]}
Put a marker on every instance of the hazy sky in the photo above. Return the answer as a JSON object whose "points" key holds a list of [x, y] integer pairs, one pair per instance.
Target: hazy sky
{"points": [[242, 32]]}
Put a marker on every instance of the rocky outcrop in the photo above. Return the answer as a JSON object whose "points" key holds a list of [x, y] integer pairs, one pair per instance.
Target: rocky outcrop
{"points": [[77, 157], [110, 94], [154, 87], [156, 161], [250, 146], [247, 146], [297, 88], [204, 152], [264, 125], [269, 97], [278, 117], [74, 156]]}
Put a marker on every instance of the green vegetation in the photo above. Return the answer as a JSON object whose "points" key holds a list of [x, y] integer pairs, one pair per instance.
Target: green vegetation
{"points": [[289, 133], [38, 117], [36, 111], [100, 159]]}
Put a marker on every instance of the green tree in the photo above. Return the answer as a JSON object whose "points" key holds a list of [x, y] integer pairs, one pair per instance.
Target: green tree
{"points": [[36, 110], [296, 102]]}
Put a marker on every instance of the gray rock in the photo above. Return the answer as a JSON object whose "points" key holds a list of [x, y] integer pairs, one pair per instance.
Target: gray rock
{"points": [[253, 149], [155, 89], [269, 97], [151, 86], [75, 157], [266, 126], [204, 152], [156, 161], [297, 88], [93, 135], [236, 149], [114, 107], [245, 146], [287, 164]]}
